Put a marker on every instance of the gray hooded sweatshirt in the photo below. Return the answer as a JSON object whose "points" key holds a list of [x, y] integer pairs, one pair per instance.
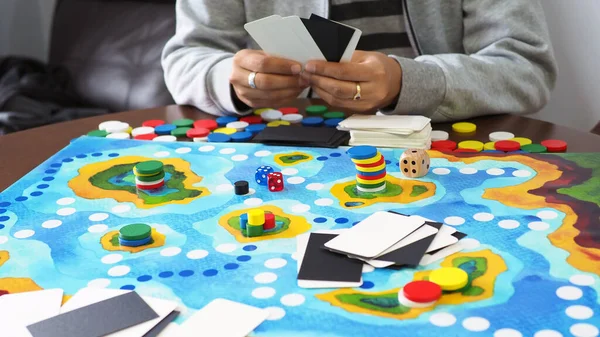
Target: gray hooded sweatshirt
{"points": [[475, 57]]}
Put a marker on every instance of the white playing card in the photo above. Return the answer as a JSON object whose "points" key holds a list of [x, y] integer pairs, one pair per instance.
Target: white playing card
{"points": [[224, 318], [261, 32], [305, 42], [301, 244], [277, 37], [443, 239], [17, 311], [431, 258], [347, 56], [87, 296], [375, 234], [424, 232], [380, 123]]}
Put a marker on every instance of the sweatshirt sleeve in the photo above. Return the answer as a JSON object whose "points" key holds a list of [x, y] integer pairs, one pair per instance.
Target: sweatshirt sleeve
{"points": [[198, 59], [508, 66]]}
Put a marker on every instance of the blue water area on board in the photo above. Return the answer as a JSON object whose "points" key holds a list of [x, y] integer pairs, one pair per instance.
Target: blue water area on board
{"points": [[54, 238]]}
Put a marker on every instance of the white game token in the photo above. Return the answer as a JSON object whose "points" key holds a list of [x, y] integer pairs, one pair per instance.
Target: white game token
{"points": [[105, 125], [371, 190], [201, 139], [439, 135], [142, 130], [292, 118], [501, 135], [239, 126], [117, 127], [118, 135], [166, 138], [271, 115], [408, 303], [148, 183]]}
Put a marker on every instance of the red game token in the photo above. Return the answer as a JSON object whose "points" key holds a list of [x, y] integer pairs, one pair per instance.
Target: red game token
{"points": [[555, 145], [422, 291], [375, 164], [465, 150], [252, 119], [269, 221], [153, 123], [443, 145], [151, 187], [206, 124], [197, 133], [148, 136], [507, 145], [288, 111], [381, 176]]}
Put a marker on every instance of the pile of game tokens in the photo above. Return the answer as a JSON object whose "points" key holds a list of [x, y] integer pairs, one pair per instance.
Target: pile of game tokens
{"points": [[149, 175], [256, 222], [425, 293], [135, 235], [370, 167]]}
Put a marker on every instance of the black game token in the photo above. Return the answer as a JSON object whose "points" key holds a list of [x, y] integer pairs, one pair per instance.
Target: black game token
{"points": [[241, 187]]}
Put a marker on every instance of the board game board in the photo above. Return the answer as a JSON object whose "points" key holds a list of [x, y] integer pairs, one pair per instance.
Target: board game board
{"points": [[532, 251]]}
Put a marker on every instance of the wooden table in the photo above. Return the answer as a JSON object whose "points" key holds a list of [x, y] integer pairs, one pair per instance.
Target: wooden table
{"points": [[20, 152]]}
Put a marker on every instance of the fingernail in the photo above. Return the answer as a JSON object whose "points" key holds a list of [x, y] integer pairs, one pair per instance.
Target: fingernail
{"points": [[296, 69], [310, 68]]}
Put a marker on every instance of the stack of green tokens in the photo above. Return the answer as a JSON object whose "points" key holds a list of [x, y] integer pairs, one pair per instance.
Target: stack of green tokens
{"points": [[315, 110], [149, 175], [334, 114], [135, 235]]}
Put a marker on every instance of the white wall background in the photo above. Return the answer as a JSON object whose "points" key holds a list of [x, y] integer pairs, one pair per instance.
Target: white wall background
{"points": [[574, 27]]}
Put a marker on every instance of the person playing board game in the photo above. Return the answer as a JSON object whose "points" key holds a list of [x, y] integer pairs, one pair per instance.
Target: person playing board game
{"points": [[446, 59]]}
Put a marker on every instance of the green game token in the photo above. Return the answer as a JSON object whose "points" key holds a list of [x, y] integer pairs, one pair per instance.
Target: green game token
{"points": [[150, 167], [253, 231], [316, 109], [183, 123], [180, 132], [97, 133], [534, 148], [151, 178], [370, 185], [334, 114], [134, 232]]}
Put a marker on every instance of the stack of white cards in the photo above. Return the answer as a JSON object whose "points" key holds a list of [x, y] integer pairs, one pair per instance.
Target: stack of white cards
{"points": [[406, 132]]}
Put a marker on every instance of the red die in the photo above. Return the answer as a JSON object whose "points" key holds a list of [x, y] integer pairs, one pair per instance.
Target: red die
{"points": [[275, 181]]}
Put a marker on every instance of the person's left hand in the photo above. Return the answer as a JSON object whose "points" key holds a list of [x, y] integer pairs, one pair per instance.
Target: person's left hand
{"points": [[379, 76]]}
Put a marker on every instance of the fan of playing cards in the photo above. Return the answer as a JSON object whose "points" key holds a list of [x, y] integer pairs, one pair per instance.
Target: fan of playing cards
{"points": [[335, 259], [303, 40]]}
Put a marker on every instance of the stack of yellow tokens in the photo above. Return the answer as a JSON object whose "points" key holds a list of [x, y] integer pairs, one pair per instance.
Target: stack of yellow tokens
{"points": [[449, 278]]}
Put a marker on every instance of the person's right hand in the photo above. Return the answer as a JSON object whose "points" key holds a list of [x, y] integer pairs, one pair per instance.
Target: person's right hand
{"points": [[277, 80]]}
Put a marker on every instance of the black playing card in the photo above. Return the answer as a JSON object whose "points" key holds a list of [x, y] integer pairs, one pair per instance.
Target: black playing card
{"points": [[322, 265], [412, 254], [98, 319], [343, 35], [302, 136], [158, 328]]}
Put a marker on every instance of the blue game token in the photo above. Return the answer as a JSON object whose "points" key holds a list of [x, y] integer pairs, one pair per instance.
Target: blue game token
{"points": [[255, 128], [135, 243], [218, 138], [243, 136], [223, 121], [243, 220], [165, 129], [370, 174], [333, 122], [362, 152], [312, 121]]}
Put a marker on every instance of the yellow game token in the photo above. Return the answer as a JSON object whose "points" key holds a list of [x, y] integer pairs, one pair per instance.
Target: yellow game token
{"points": [[464, 127], [131, 129], [489, 146], [275, 124], [471, 144], [522, 140], [256, 216], [227, 131], [370, 182], [371, 169], [449, 278], [260, 111], [368, 160]]}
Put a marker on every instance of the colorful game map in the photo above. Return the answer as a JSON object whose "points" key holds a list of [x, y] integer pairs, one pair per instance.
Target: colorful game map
{"points": [[532, 250]]}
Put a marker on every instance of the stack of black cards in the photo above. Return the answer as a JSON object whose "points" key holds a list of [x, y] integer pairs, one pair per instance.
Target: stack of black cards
{"points": [[303, 40], [335, 259], [303, 136]]}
